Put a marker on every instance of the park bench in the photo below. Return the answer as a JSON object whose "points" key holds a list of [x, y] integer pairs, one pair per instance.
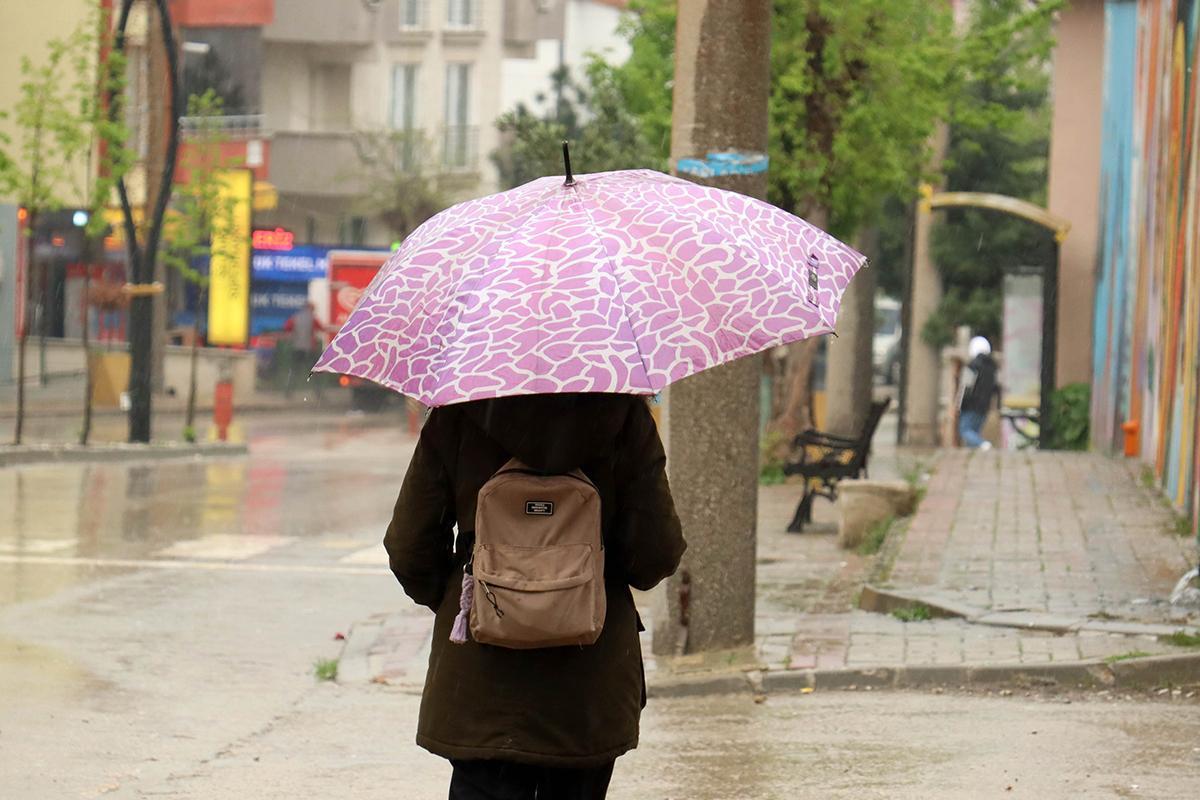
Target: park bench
{"points": [[823, 459]]}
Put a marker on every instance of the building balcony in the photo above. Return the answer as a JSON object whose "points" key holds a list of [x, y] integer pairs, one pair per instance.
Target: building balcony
{"points": [[310, 163], [323, 22]]}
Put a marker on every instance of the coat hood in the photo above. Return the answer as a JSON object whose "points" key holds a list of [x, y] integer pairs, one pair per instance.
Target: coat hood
{"points": [[553, 432]]}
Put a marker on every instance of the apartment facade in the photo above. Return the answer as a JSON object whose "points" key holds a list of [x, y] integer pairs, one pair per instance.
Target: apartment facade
{"points": [[336, 71], [543, 36]]}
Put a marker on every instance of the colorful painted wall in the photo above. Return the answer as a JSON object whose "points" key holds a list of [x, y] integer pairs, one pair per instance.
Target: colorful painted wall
{"points": [[1147, 322]]}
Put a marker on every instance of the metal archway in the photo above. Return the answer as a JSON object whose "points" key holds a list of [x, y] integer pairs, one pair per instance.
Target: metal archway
{"points": [[923, 269]]}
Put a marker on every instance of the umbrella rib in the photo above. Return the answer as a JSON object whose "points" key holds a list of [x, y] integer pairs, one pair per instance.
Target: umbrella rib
{"points": [[611, 261]]}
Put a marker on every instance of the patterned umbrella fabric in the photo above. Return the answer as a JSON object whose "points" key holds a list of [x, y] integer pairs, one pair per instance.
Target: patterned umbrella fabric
{"points": [[620, 282]]}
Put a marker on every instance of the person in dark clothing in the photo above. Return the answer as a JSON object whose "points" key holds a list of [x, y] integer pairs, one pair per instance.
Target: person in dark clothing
{"points": [[979, 391], [545, 722]]}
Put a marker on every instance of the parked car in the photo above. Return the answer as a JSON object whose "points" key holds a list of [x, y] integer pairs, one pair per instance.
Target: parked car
{"points": [[885, 347]]}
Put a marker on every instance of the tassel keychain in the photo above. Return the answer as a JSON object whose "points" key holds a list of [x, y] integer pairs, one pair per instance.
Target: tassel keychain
{"points": [[458, 634]]}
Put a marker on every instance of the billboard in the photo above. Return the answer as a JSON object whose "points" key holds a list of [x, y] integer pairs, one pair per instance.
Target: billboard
{"points": [[229, 275]]}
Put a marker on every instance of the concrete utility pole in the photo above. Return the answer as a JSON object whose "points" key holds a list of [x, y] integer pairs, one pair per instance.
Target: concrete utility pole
{"points": [[722, 72]]}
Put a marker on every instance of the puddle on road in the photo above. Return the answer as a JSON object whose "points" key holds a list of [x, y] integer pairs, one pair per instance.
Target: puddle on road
{"points": [[35, 675]]}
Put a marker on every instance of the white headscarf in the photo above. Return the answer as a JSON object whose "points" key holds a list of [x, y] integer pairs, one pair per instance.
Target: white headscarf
{"points": [[979, 346]]}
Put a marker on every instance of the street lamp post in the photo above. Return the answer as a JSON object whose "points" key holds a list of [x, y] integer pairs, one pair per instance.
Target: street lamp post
{"points": [[141, 286]]}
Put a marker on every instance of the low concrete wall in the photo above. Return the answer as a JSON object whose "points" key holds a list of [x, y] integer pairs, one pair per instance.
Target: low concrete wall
{"points": [[65, 357]]}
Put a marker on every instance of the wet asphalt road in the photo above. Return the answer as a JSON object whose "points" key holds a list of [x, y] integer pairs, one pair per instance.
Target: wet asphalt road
{"points": [[159, 624]]}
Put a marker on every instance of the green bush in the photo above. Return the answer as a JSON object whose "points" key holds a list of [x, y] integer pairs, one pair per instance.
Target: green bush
{"points": [[1070, 411]]}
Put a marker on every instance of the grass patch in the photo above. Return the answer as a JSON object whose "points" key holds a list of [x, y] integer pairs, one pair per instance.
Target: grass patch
{"points": [[771, 474], [1126, 656], [1181, 639], [915, 613], [326, 669], [1147, 479], [876, 536], [1183, 526]]}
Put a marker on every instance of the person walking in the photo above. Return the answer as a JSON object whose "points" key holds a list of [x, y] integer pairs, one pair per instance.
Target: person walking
{"points": [[302, 329], [979, 391], [547, 722]]}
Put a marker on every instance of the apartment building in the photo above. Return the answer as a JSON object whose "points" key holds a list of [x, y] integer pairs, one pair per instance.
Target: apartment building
{"points": [[334, 70], [543, 36]]}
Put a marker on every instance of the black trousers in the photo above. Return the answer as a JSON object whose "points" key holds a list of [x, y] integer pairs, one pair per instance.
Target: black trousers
{"points": [[503, 780]]}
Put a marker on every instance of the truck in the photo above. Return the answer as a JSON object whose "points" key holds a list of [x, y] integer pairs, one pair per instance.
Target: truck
{"points": [[350, 272]]}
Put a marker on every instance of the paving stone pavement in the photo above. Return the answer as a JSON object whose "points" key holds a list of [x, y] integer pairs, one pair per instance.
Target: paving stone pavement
{"points": [[1057, 533]]}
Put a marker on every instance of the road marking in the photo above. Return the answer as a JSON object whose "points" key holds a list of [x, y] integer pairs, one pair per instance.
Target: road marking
{"points": [[37, 546], [225, 547], [164, 563], [374, 555]]}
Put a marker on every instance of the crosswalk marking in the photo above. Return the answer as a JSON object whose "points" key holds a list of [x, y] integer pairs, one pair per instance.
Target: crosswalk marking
{"points": [[37, 546], [174, 563], [225, 547], [374, 555]]}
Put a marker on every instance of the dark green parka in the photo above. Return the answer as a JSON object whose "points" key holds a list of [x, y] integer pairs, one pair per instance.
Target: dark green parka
{"points": [[562, 706]]}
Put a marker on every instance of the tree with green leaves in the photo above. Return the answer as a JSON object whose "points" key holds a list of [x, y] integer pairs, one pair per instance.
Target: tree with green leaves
{"points": [[999, 143], [199, 207], [62, 121], [401, 188], [593, 116]]}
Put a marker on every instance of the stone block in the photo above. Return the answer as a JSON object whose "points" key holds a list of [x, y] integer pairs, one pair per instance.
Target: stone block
{"points": [[864, 503]]}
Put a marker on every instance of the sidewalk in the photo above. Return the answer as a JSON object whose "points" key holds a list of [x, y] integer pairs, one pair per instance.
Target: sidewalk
{"points": [[1061, 541]]}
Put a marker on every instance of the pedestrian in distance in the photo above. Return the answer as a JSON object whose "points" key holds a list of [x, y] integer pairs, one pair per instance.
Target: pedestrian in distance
{"points": [[519, 720], [979, 390], [303, 331]]}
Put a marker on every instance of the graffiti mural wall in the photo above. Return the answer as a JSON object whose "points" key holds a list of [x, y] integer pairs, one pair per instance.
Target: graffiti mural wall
{"points": [[1147, 324]]}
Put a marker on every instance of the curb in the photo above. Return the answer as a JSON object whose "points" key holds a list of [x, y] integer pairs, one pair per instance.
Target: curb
{"points": [[19, 455], [885, 601], [1181, 669]]}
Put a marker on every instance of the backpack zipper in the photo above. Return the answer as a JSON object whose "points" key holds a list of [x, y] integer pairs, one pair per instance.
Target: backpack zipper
{"points": [[491, 598]]}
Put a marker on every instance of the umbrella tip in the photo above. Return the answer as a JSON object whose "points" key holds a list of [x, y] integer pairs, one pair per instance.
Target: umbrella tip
{"points": [[570, 180]]}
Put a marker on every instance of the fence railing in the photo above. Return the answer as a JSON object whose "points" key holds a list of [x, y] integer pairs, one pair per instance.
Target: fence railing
{"points": [[229, 125]]}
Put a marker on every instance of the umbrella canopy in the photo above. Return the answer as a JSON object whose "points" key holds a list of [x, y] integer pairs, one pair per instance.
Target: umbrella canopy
{"points": [[617, 282]]}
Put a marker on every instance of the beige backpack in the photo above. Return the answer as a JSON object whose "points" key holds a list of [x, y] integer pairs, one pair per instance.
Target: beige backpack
{"points": [[536, 574]]}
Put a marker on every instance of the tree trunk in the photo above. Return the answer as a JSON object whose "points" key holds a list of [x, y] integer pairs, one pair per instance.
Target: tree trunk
{"points": [[189, 424], [793, 412], [720, 104], [85, 338], [850, 373], [19, 427]]}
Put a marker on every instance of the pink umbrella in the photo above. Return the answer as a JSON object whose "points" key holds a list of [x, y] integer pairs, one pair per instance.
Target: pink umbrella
{"points": [[612, 282]]}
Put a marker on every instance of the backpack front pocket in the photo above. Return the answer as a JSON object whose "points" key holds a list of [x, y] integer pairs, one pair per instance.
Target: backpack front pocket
{"points": [[545, 596]]}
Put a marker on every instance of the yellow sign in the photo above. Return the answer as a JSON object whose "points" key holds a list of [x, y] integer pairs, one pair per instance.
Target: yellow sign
{"points": [[229, 266]]}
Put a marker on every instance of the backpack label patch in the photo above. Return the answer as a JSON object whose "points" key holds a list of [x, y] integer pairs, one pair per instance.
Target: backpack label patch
{"points": [[539, 508]]}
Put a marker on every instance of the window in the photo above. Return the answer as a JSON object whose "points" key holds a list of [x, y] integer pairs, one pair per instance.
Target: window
{"points": [[458, 151], [412, 15], [404, 96], [458, 95], [462, 14]]}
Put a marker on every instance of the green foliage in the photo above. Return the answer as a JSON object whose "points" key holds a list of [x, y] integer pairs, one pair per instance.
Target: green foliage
{"points": [[872, 543], [62, 120], [199, 207], [914, 613], [326, 669], [1182, 639], [999, 143], [1070, 413], [594, 118], [771, 474], [856, 89], [1132, 654], [402, 189]]}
